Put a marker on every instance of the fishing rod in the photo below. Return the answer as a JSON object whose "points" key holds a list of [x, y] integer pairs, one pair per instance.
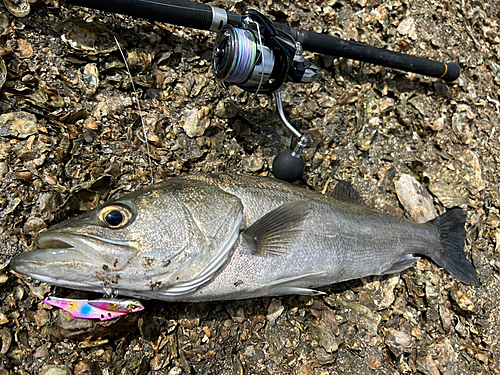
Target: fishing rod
{"points": [[259, 55]]}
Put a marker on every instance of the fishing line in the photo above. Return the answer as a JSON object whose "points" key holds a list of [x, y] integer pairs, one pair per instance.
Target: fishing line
{"points": [[259, 37], [263, 59], [140, 111], [247, 54]]}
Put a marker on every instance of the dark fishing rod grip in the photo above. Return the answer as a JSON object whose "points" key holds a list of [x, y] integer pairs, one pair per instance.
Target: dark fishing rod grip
{"points": [[176, 12], [329, 45]]}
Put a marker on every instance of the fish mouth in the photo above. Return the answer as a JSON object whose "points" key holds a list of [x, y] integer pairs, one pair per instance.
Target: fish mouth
{"points": [[49, 250], [70, 259]]}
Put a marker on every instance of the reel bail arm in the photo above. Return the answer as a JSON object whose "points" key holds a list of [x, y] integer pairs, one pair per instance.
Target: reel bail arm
{"points": [[289, 164]]}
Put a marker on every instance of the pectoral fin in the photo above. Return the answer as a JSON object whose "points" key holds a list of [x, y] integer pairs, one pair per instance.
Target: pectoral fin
{"points": [[275, 232]]}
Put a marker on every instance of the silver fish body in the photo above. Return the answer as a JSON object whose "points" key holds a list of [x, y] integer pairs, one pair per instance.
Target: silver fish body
{"points": [[219, 237]]}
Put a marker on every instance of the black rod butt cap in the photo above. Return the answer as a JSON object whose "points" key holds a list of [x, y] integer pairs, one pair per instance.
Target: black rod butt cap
{"points": [[287, 167]]}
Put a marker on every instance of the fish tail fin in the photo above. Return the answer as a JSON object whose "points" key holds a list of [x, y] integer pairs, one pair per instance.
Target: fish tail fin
{"points": [[450, 255]]}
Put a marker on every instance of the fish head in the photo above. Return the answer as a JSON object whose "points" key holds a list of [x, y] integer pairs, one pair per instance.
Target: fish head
{"points": [[163, 241]]}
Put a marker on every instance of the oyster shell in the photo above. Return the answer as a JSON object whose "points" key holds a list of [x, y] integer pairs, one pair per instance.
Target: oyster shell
{"points": [[369, 120], [18, 124], [449, 195], [415, 198], [89, 79], [4, 23], [3, 72], [18, 8], [88, 38], [23, 49]]}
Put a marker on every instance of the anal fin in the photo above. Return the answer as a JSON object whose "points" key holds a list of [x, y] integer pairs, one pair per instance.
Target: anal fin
{"points": [[403, 262], [288, 290], [285, 286]]}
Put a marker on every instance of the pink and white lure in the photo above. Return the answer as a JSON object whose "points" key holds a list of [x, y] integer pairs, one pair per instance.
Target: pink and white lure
{"points": [[103, 309]]}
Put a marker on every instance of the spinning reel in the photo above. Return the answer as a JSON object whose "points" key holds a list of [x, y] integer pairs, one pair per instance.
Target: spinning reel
{"points": [[259, 58]]}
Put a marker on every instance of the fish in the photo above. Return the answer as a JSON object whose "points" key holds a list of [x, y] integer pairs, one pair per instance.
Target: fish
{"points": [[226, 237], [103, 309]]}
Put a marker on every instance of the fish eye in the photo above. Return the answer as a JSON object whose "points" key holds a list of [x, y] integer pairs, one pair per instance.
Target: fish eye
{"points": [[114, 216]]}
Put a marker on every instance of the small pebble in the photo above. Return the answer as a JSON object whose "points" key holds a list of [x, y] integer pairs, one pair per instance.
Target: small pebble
{"points": [[189, 323], [275, 310], [54, 370], [398, 342], [34, 225], [226, 108], [195, 122], [253, 163], [18, 124], [175, 371], [42, 317], [41, 351], [3, 319], [6, 337], [4, 168], [87, 367], [466, 303]]}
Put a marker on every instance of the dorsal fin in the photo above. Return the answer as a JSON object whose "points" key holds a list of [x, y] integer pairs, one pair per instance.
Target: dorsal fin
{"points": [[345, 192], [275, 232]]}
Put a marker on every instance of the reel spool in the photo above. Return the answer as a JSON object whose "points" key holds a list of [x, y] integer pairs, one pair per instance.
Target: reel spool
{"points": [[255, 56], [241, 58]]}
